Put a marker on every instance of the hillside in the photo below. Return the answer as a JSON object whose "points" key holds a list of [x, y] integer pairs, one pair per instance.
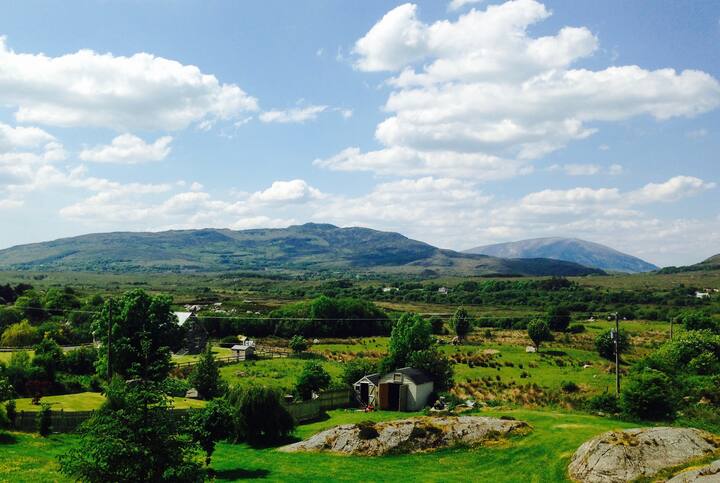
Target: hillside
{"points": [[303, 247], [573, 250], [708, 265]]}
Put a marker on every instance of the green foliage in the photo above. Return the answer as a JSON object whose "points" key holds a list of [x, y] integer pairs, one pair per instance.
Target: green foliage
{"points": [[143, 331], [57, 301], [313, 378], [673, 356], [133, 437], [43, 420], [576, 329], [605, 345], [5, 420], [205, 377], [81, 361], [558, 318], [355, 369], [211, 424], [49, 358], [11, 412], [569, 386], [649, 395], [461, 322], [21, 334], [605, 402], [258, 415], [298, 344], [705, 364], [438, 325], [410, 333], [436, 365], [696, 320], [6, 388], [31, 306], [9, 316], [539, 332]]}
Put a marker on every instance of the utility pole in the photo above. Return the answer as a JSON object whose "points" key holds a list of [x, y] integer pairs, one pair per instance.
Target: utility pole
{"points": [[109, 313], [672, 322], [616, 337]]}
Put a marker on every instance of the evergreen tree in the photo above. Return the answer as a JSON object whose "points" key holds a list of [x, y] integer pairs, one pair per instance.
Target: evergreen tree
{"points": [[205, 376], [461, 322]]}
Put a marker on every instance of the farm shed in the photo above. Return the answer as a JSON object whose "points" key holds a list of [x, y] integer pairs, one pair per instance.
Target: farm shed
{"points": [[366, 389], [244, 350], [406, 389], [196, 337]]}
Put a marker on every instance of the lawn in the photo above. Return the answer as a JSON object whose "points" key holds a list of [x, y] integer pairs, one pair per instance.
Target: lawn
{"points": [[541, 456], [88, 401], [217, 350], [280, 373], [5, 356]]}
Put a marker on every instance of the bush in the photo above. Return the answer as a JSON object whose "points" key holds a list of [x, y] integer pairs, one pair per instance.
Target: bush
{"points": [[438, 325], [436, 365], [229, 339], [175, 387], [576, 329], [558, 318], [538, 331], [21, 334], [461, 322], [205, 376], [569, 386], [43, 420], [705, 364], [298, 344], [11, 412], [313, 378], [605, 402], [355, 369], [605, 345], [81, 361], [258, 415], [649, 395]]}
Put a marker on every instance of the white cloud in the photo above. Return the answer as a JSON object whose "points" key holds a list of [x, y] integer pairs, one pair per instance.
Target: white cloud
{"points": [[615, 170], [22, 137], [142, 91], [458, 4], [482, 88], [296, 190], [296, 115], [128, 149], [697, 133], [671, 190], [576, 169]]}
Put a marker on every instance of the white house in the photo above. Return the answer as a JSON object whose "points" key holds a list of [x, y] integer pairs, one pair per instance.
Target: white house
{"points": [[244, 350], [443, 290], [406, 389]]}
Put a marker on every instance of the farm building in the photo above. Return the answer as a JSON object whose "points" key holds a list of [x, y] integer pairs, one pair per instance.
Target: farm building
{"points": [[196, 337], [405, 389], [244, 350]]}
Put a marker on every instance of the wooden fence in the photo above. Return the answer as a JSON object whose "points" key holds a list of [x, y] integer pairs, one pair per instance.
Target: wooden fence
{"points": [[260, 352], [62, 421], [311, 410]]}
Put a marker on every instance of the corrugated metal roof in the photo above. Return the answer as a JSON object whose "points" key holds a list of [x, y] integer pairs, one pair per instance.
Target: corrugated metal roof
{"points": [[183, 316]]}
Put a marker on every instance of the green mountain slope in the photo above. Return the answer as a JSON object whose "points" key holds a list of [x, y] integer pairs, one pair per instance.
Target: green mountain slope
{"points": [[303, 247], [574, 250], [707, 265]]}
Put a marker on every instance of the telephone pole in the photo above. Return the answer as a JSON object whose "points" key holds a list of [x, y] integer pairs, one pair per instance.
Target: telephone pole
{"points": [[616, 337]]}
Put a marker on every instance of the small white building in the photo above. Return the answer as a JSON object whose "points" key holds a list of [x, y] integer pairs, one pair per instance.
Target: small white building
{"points": [[366, 389], [406, 389], [701, 295], [443, 290], [390, 289], [244, 350]]}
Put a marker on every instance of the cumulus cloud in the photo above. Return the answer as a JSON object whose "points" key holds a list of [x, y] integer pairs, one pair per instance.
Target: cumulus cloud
{"points": [[141, 91], [128, 149], [296, 190], [671, 190], [296, 115], [458, 4], [576, 169], [483, 88]]}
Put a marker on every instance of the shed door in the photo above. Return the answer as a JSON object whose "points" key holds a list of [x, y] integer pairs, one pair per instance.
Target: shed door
{"points": [[364, 392], [403, 398], [384, 396]]}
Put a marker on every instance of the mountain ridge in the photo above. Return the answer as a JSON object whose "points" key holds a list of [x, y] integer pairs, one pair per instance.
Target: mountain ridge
{"points": [[311, 246], [575, 250]]}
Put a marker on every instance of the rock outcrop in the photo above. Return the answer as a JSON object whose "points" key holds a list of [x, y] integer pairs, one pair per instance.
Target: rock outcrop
{"points": [[705, 474], [409, 435], [620, 456]]}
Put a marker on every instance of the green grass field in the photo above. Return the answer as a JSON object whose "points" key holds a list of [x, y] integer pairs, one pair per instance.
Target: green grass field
{"points": [[280, 373], [88, 401], [541, 456]]}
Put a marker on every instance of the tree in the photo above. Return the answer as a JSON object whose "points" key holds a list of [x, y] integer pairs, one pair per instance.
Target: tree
{"points": [[21, 334], [313, 378], [438, 325], [649, 394], [605, 345], [211, 424], [436, 365], [43, 421], [205, 377], [133, 437], [48, 358], [539, 332], [31, 305], [461, 322], [355, 369], [258, 415], [298, 344], [695, 320], [409, 334], [9, 316], [143, 330], [558, 318]]}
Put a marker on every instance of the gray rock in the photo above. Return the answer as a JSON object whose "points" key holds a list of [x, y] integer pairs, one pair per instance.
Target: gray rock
{"points": [[706, 474], [409, 435], [620, 456]]}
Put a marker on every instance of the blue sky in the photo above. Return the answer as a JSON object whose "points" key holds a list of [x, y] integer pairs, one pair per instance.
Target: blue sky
{"points": [[460, 123]]}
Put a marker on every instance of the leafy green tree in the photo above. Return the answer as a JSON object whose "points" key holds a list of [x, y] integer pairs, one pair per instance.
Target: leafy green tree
{"points": [[44, 420], [436, 365], [9, 316], [605, 345], [461, 322], [49, 358], [539, 332], [410, 333], [356, 369], [211, 424], [438, 325], [313, 378], [21, 334], [558, 318], [58, 301], [298, 344], [6, 389], [143, 330], [133, 437], [650, 395], [32, 307], [258, 415], [696, 320], [205, 377]]}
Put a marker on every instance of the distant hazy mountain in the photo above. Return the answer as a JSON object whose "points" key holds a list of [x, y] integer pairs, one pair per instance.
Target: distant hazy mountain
{"points": [[304, 247], [574, 250], [710, 264]]}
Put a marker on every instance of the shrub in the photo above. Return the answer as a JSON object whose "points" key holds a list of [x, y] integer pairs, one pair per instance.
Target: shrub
{"points": [[313, 378], [43, 420], [21, 334], [175, 387], [436, 365], [438, 325], [11, 412], [461, 322], [538, 331], [569, 386], [576, 329], [258, 415], [704, 364], [558, 318], [298, 344], [605, 345], [205, 376], [648, 394], [605, 402], [81, 361], [355, 369], [211, 424]]}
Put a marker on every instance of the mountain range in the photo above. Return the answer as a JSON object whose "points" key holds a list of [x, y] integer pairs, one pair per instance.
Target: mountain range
{"points": [[312, 246], [574, 250]]}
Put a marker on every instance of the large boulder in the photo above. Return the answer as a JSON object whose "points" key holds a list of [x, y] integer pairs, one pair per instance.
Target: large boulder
{"points": [[409, 435], [705, 474], [620, 456]]}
